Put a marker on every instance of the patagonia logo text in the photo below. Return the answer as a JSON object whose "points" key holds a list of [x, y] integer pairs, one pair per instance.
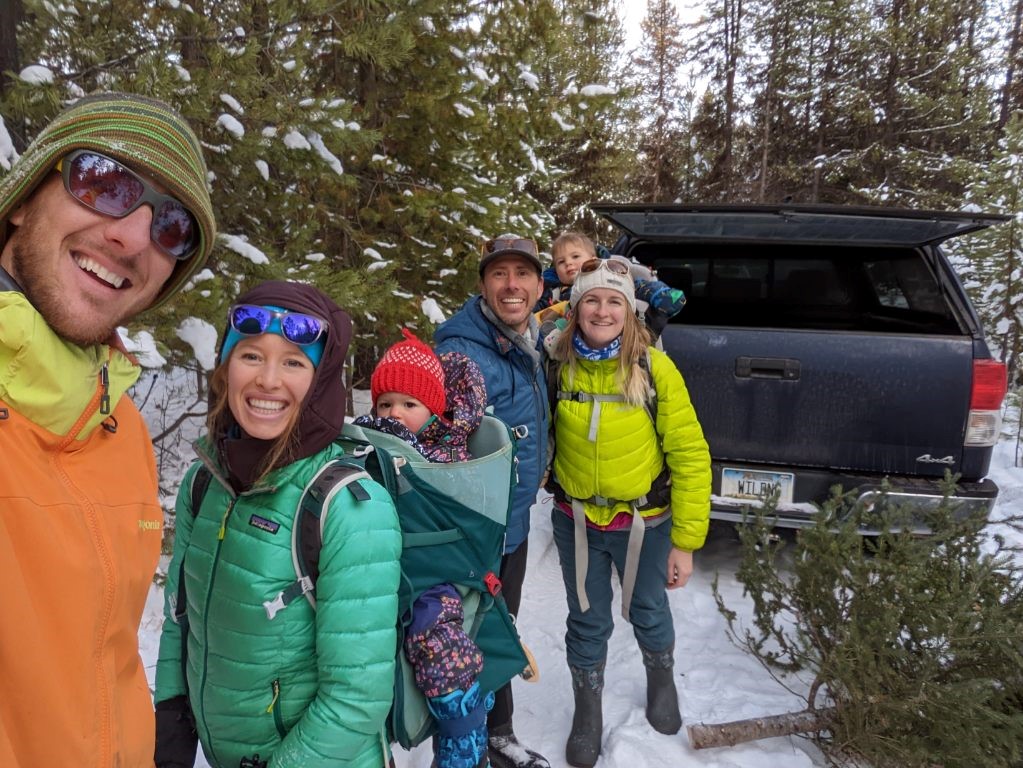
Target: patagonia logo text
{"points": [[149, 525], [263, 524]]}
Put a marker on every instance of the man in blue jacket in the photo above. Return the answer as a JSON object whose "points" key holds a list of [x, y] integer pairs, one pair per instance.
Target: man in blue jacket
{"points": [[497, 330]]}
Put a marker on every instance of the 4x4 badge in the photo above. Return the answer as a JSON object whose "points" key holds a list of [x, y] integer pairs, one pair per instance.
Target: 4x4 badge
{"points": [[928, 459]]}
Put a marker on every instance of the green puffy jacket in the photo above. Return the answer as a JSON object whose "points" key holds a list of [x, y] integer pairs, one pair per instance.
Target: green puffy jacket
{"points": [[308, 688], [628, 455]]}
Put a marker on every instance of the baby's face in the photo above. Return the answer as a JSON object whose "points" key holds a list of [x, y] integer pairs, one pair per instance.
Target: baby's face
{"points": [[403, 408], [568, 259]]}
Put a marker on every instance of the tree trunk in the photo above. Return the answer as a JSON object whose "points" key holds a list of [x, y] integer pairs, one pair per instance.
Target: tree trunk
{"points": [[1008, 89], [702, 736], [11, 14]]}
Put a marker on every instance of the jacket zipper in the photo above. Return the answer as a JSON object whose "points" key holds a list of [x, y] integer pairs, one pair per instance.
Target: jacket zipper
{"points": [[275, 708], [541, 443], [104, 382], [100, 399], [100, 396]]}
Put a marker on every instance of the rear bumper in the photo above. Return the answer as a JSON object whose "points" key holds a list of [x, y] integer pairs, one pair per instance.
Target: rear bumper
{"points": [[813, 487]]}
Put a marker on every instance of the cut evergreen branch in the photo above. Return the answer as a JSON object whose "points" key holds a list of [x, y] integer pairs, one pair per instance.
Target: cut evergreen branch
{"points": [[914, 644]]}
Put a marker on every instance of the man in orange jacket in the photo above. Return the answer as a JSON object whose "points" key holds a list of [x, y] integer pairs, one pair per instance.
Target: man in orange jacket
{"points": [[106, 214]]}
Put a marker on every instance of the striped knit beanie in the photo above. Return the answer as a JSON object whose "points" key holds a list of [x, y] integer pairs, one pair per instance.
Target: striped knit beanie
{"points": [[144, 134], [411, 368]]}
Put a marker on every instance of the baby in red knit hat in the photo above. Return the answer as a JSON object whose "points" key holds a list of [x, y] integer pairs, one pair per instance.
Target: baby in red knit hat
{"points": [[435, 404]]}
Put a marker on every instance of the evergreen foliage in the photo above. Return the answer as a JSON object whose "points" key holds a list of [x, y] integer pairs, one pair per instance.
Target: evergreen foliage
{"points": [[993, 269], [371, 145], [581, 67], [719, 42], [662, 145], [915, 641], [365, 146]]}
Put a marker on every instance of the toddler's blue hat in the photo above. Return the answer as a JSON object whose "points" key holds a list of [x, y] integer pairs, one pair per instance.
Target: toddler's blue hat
{"points": [[313, 351]]}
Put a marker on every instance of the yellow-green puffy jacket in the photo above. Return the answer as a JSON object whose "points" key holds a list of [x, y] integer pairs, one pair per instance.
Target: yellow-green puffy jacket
{"points": [[628, 454]]}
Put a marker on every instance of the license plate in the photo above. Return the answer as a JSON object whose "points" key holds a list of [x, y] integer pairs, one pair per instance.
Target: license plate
{"points": [[756, 484]]}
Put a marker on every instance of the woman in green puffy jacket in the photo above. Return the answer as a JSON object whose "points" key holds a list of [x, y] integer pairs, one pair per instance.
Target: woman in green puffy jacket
{"points": [[631, 480], [256, 677]]}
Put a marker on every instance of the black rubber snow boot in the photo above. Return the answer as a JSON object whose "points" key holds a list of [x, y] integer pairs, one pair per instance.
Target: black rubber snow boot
{"points": [[661, 696], [583, 746]]}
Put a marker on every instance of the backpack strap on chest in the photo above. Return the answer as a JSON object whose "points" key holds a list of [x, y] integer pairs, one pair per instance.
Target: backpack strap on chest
{"points": [[307, 529], [196, 492], [588, 397]]}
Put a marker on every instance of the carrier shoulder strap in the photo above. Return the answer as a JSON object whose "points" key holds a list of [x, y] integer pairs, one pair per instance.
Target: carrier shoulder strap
{"points": [[197, 492], [554, 394], [307, 529], [651, 401]]}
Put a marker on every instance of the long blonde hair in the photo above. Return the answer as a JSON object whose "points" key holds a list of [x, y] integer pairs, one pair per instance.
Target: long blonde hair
{"points": [[218, 422], [632, 381]]}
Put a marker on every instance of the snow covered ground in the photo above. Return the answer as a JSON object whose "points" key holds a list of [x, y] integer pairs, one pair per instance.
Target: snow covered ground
{"points": [[717, 682]]}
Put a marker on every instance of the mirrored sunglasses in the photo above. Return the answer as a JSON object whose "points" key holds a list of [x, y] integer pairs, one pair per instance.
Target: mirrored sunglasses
{"points": [[611, 265], [510, 244], [104, 185], [297, 327]]}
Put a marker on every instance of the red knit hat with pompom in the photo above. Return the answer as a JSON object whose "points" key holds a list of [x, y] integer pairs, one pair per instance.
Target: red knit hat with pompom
{"points": [[411, 368]]}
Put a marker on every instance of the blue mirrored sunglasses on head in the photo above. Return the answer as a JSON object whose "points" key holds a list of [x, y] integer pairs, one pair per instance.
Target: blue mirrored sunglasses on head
{"points": [[105, 185], [296, 327]]}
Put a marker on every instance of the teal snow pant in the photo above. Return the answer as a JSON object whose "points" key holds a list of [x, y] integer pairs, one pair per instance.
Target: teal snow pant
{"points": [[587, 633]]}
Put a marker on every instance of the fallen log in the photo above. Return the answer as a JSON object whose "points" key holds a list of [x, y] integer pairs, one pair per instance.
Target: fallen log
{"points": [[704, 736]]}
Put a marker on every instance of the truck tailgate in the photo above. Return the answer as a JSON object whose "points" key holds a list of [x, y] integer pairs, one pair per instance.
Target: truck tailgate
{"points": [[849, 401]]}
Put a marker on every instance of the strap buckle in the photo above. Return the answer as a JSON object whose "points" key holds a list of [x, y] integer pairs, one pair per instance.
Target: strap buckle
{"points": [[493, 583], [284, 598]]}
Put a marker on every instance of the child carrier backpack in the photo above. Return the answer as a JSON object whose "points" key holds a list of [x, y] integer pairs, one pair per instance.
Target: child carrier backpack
{"points": [[453, 518]]}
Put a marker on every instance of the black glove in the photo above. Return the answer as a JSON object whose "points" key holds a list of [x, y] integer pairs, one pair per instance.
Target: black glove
{"points": [[176, 738]]}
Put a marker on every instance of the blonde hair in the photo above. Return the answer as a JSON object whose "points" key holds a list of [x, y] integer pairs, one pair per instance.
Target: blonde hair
{"points": [[283, 449], [632, 381], [571, 237]]}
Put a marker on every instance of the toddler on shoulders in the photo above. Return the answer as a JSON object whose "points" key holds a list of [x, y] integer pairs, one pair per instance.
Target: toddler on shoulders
{"points": [[569, 251]]}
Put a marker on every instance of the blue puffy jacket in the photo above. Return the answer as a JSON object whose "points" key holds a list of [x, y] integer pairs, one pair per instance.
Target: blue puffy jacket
{"points": [[517, 390]]}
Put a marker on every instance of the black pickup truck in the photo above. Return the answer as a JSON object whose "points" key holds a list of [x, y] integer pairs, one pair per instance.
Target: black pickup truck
{"points": [[825, 345]]}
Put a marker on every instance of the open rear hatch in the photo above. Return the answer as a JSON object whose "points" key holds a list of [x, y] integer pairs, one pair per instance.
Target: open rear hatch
{"points": [[823, 225], [847, 398]]}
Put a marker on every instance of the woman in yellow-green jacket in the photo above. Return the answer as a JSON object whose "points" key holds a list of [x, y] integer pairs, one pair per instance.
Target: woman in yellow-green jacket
{"points": [[623, 425]]}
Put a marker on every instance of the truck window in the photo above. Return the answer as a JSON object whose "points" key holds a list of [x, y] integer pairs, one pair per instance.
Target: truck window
{"points": [[813, 287]]}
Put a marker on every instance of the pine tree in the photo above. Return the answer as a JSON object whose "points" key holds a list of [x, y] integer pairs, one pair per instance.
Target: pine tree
{"points": [[663, 136], [719, 50], [582, 69], [363, 146], [913, 643], [932, 101], [992, 267], [808, 54]]}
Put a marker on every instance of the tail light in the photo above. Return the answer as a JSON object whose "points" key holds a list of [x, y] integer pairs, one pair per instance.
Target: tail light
{"points": [[985, 419]]}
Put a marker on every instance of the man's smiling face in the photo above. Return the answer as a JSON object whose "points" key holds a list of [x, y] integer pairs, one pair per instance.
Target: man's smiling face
{"points": [[85, 272], [511, 285]]}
